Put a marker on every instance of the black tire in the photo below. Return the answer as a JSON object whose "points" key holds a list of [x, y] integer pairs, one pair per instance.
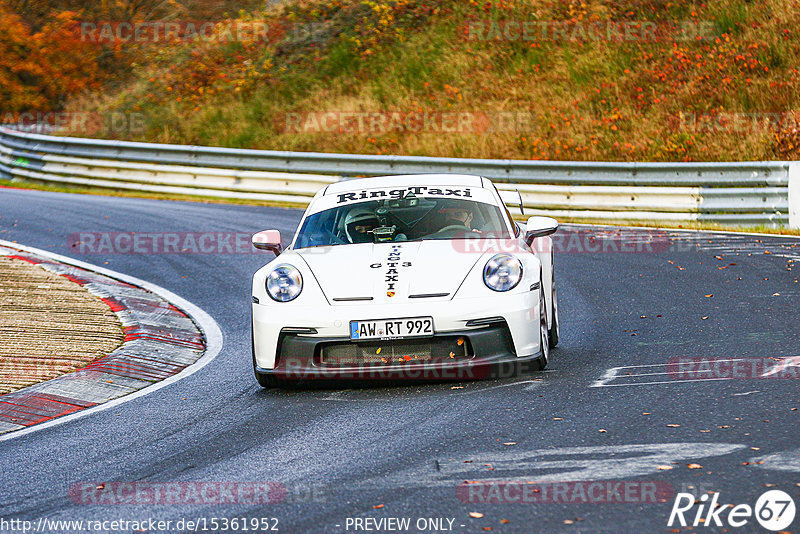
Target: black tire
{"points": [[544, 333], [554, 325]]}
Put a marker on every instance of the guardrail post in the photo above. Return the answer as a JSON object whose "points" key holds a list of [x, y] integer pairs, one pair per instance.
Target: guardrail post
{"points": [[794, 195]]}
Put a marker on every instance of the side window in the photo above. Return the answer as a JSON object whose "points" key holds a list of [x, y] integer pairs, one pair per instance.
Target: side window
{"points": [[508, 214]]}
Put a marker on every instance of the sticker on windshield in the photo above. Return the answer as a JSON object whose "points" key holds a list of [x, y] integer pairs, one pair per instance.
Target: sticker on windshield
{"points": [[397, 194]]}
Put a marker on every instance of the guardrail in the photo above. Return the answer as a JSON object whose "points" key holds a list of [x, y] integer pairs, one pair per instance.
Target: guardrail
{"points": [[746, 193]]}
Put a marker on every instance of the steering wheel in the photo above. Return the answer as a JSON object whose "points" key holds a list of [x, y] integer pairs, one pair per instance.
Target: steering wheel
{"points": [[452, 229]]}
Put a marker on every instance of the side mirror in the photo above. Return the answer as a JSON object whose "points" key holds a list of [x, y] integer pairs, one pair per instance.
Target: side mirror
{"points": [[268, 240], [539, 227]]}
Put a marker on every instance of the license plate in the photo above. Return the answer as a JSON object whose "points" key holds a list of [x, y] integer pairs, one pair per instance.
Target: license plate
{"points": [[391, 328]]}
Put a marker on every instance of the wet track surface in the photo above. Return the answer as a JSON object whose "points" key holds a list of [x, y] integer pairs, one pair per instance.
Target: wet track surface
{"points": [[613, 405]]}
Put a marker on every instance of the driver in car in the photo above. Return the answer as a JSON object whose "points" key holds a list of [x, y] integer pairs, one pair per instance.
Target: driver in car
{"points": [[458, 216], [358, 223]]}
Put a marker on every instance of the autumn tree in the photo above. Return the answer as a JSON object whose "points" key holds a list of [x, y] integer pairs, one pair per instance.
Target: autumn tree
{"points": [[38, 71]]}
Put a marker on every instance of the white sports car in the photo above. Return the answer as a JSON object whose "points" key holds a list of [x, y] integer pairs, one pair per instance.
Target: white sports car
{"points": [[423, 277]]}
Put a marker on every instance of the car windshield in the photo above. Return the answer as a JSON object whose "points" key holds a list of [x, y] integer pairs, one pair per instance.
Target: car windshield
{"points": [[406, 219]]}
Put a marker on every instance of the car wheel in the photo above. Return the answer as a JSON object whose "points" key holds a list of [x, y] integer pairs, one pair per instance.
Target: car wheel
{"points": [[544, 339], [554, 326]]}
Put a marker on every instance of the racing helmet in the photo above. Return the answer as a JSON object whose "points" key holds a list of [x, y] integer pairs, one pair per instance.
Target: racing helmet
{"points": [[359, 217]]}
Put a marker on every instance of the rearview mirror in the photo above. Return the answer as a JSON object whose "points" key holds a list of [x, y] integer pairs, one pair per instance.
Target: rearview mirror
{"points": [[268, 240], [539, 227]]}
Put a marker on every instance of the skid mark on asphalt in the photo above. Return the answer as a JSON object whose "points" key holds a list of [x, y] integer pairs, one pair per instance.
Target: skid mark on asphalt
{"points": [[369, 396], [779, 461], [563, 464]]}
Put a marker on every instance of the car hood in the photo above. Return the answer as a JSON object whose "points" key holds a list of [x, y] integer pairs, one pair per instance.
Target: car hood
{"points": [[390, 272]]}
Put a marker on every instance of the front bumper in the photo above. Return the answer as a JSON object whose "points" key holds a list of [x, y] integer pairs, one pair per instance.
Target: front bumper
{"points": [[316, 325], [486, 352]]}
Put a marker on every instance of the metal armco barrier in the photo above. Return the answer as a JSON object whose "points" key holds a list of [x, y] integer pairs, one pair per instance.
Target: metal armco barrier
{"points": [[747, 193]]}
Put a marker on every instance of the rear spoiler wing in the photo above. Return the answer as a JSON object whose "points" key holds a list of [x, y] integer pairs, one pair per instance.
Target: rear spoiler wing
{"points": [[512, 198]]}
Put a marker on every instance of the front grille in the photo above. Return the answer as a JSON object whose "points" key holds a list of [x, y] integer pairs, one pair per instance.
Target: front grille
{"points": [[396, 352]]}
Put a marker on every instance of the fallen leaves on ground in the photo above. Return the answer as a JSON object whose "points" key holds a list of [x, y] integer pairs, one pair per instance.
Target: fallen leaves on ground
{"points": [[475, 515]]}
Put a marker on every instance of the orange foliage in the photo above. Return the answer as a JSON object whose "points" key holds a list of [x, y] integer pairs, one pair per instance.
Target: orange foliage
{"points": [[38, 71]]}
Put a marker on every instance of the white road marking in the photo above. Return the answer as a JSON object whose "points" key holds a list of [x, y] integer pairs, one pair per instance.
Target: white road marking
{"points": [[660, 382], [745, 393], [615, 373], [793, 361]]}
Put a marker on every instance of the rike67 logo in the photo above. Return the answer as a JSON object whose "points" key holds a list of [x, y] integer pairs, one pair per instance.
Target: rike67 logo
{"points": [[774, 510]]}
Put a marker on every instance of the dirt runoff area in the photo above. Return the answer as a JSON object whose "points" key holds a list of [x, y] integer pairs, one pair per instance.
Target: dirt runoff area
{"points": [[49, 325]]}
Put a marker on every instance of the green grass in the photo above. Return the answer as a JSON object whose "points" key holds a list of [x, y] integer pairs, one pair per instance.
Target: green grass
{"points": [[606, 100]]}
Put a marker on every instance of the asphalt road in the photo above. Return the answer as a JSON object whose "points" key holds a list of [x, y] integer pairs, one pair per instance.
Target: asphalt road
{"points": [[402, 452]]}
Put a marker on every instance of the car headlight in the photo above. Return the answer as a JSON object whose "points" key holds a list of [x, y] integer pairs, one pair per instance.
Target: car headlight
{"points": [[502, 272], [284, 283]]}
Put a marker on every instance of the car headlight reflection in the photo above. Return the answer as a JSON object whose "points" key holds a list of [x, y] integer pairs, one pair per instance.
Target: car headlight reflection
{"points": [[502, 272], [284, 283]]}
